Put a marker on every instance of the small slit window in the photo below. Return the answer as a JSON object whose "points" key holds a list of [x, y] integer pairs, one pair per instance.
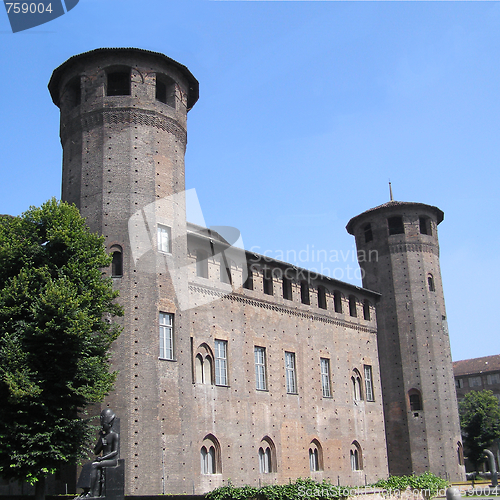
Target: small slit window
{"points": [[118, 82], [201, 264], [415, 400], [395, 225], [248, 283], [430, 283], [117, 262], [225, 270]]}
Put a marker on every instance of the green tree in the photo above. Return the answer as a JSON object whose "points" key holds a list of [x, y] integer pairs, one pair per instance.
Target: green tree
{"points": [[480, 423], [55, 334]]}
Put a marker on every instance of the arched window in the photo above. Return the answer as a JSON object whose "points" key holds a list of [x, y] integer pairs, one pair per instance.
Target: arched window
{"points": [[356, 386], [210, 456], [430, 283], [201, 264], [165, 90], [117, 262], [315, 456], [366, 309], [356, 456], [415, 400], [118, 82], [304, 292], [321, 297], [203, 365], [352, 306], [267, 456], [337, 301]]}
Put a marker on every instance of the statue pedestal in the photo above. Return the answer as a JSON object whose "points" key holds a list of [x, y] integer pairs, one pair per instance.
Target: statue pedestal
{"points": [[113, 482]]}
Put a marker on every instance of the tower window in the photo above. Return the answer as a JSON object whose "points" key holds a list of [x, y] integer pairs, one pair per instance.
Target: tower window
{"points": [[225, 270], [210, 456], [425, 225], [267, 456], [165, 90], [164, 239], [415, 400], [117, 262], [118, 83], [356, 457], [368, 233], [356, 386], [73, 95], [395, 225], [430, 282], [248, 283]]}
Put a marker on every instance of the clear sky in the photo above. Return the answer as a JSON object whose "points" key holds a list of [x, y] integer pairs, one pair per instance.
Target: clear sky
{"points": [[306, 110]]}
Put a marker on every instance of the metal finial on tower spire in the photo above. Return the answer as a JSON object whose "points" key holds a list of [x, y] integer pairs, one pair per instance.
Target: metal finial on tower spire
{"points": [[390, 190]]}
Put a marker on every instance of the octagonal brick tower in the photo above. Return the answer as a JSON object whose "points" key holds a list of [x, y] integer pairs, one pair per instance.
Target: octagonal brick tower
{"points": [[123, 133], [398, 252]]}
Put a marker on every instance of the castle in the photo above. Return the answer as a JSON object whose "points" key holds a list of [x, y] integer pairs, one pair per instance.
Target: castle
{"points": [[233, 365]]}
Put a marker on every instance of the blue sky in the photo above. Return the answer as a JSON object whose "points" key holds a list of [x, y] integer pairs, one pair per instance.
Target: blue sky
{"points": [[306, 110]]}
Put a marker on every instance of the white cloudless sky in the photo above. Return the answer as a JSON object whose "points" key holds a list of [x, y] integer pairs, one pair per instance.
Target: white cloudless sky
{"points": [[306, 110]]}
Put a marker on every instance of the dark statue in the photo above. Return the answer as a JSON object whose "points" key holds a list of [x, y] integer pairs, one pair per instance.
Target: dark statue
{"points": [[104, 478]]}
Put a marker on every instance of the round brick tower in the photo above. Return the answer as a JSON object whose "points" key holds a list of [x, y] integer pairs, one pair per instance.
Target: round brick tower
{"points": [[123, 133], [398, 252]]}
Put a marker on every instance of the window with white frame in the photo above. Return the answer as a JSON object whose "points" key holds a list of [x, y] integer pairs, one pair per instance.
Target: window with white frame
{"points": [[164, 239], [291, 378], [325, 378], [221, 362], [369, 383], [260, 368], [166, 336]]}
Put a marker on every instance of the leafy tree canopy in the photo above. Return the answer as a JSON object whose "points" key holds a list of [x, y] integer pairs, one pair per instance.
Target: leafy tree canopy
{"points": [[55, 333], [480, 423]]}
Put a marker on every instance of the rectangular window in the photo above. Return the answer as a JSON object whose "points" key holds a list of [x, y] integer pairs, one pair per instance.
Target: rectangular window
{"points": [[493, 378], [164, 239], [260, 368], [475, 382], [325, 378], [221, 362], [369, 383], [459, 383], [166, 336], [291, 379]]}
